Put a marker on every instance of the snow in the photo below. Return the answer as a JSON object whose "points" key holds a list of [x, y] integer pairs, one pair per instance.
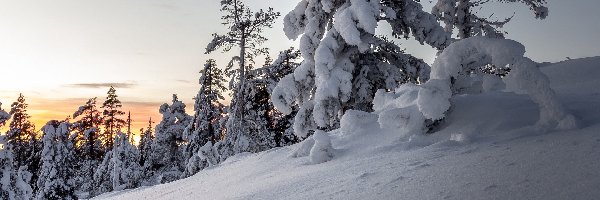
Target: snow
{"points": [[475, 52], [293, 22], [322, 151], [284, 94], [360, 14], [471, 53], [433, 99], [487, 148]]}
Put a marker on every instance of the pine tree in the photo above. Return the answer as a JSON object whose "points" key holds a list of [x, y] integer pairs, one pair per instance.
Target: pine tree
{"points": [[245, 32], [56, 178], [384, 66], [7, 174], [128, 121], [256, 135], [14, 184], [207, 109], [88, 144], [166, 159], [146, 138], [6, 170], [338, 55], [21, 135], [127, 172], [26, 147], [102, 181], [462, 16], [111, 114], [279, 124]]}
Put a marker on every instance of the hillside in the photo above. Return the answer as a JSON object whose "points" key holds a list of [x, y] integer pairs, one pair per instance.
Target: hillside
{"points": [[487, 148]]}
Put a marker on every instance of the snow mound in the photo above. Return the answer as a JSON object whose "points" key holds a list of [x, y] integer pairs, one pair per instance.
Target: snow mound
{"points": [[451, 70], [322, 151]]}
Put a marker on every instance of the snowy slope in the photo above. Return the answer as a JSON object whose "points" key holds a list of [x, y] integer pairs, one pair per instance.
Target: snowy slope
{"points": [[488, 148]]}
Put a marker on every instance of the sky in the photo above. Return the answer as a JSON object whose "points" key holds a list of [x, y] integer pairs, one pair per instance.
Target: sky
{"points": [[59, 53]]}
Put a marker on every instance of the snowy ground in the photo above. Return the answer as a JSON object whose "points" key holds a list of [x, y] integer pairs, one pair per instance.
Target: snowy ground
{"points": [[486, 149]]}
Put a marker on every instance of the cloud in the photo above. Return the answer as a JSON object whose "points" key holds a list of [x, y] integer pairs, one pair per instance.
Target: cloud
{"points": [[183, 81], [102, 85]]}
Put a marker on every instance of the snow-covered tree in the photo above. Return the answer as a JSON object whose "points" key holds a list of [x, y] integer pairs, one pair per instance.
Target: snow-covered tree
{"points": [[281, 124], [384, 66], [462, 16], [245, 33], [14, 181], [207, 109], [111, 117], [207, 155], [102, 181], [21, 133], [145, 145], [26, 147], [6, 171], [411, 108], [284, 64], [126, 172], [88, 144], [56, 174], [166, 157], [257, 136], [336, 36], [86, 127], [120, 168], [472, 53]]}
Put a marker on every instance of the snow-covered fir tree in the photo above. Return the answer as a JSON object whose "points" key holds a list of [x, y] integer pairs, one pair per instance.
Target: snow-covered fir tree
{"points": [[120, 168], [127, 172], [145, 145], [14, 184], [111, 117], [280, 125], [384, 66], [257, 137], [207, 155], [21, 134], [86, 127], [340, 50], [56, 176], [14, 180], [88, 144], [245, 33], [102, 181], [461, 15], [166, 157], [207, 109], [26, 147]]}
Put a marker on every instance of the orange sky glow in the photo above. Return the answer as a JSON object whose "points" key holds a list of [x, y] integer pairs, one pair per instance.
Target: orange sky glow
{"points": [[44, 110]]}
